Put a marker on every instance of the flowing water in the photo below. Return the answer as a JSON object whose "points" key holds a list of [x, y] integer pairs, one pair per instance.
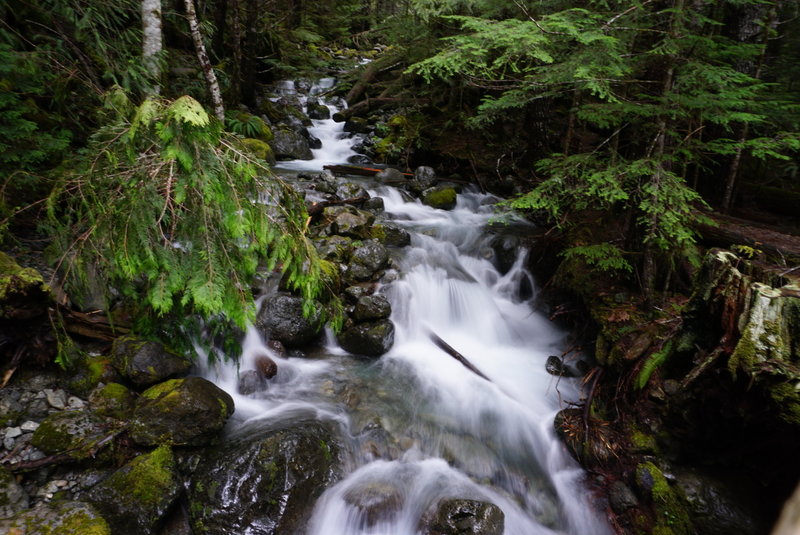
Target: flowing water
{"points": [[419, 427]]}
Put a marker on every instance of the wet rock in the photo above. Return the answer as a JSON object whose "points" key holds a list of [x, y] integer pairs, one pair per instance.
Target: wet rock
{"points": [[372, 307], [264, 480], [135, 498], [13, 498], [359, 159], [290, 145], [425, 177], [621, 498], [251, 382], [314, 142], [185, 412], [349, 190], [281, 318], [75, 433], [375, 501], [442, 197], [62, 518], [356, 292], [91, 370], [316, 110], [356, 125], [334, 248], [349, 221], [463, 517], [390, 174], [367, 259], [555, 366], [371, 339], [391, 235], [374, 205], [113, 400], [715, 508], [146, 363], [266, 367]]}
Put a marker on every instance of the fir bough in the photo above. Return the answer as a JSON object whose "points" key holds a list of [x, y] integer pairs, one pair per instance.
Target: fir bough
{"points": [[172, 213]]}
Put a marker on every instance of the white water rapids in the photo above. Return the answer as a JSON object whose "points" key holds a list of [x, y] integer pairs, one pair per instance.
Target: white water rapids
{"points": [[416, 424]]}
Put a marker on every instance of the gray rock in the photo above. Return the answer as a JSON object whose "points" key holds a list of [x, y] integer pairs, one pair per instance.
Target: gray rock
{"points": [[621, 497], [349, 221], [425, 177], [334, 248], [56, 398], [371, 339], [73, 432], [316, 110], [348, 190], [374, 205], [367, 259], [251, 382], [281, 318], [13, 432], [113, 400], [463, 517], [359, 159], [391, 235], [136, 497], [29, 427], [182, 412], [313, 142], [375, 501], [146, 363], [13, 498], [264, 480], [372, 307], [290, 145], [356, 292]]}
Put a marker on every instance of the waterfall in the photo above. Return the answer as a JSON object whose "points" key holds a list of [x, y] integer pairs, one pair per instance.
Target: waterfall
{"points": [[417, 425]]}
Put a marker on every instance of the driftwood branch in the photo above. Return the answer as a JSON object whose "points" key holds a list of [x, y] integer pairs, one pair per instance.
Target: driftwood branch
{"points": [[447, 348]]}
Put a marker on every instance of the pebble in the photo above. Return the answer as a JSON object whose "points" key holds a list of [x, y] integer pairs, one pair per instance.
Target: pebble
{"points": [[29, 426], [56, 398], [75, 403], [8, 443], [13, 432]]}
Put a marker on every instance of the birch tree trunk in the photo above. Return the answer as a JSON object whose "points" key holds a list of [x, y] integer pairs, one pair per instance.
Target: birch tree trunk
{"points": [[205, 63], [152, 43]]}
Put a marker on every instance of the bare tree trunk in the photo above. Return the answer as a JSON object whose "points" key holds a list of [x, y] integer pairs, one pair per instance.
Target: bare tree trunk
{"points": [[152, 43], [205, 63]]}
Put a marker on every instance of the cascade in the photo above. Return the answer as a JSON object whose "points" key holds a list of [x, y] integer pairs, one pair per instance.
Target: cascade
{"points": [[417, 426]]}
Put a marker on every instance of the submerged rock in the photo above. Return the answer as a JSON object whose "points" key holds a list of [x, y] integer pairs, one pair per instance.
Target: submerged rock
{"points": [[375, 501], [281, 318], [264, 481], [463, 517], [181, 412], [137, 496]]}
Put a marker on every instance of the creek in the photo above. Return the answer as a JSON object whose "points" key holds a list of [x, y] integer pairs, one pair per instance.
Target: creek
{"points": [[415, 426]]}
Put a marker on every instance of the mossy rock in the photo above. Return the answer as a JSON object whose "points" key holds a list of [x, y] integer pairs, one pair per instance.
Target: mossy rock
{"points": [[334, 248], [23, 293], [260, 149], [137, 496], [443, 198], [670, 506], [113, 400], [181, 412], [369, 339], [76, 433], [146, 363], [90, 370], [57, 518]]}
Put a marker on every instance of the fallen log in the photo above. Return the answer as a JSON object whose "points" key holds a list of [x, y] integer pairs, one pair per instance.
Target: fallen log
{"points": [[356, 170], [447, 348]]}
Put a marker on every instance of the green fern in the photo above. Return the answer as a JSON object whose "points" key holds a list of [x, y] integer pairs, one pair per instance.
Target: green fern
{"points": [[651, 364], [165, 204]]}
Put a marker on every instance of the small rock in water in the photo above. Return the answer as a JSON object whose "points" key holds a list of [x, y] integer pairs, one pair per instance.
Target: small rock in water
{"points": [[266, 367], [556, 366]]}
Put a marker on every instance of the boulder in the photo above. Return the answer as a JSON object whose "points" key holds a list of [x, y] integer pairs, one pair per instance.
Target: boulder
{"points": [[374, 205], [349, 190], [75, 433], [13, 497], [370, 339], [463, 517], [264, 480], [356, 125], [260, 149], [23, 293], [281, 318], [181, 412], [146, 363], [348, 221], [334, 248], [317, 110], [290, 145], [112, 400], [391, 235], [367, 259], [313, 141], [425, 177], [136, 497], [372, 307], [442, 197], [62, 518]]}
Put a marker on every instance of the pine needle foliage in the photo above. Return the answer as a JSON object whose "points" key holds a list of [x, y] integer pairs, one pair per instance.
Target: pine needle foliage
{"points": [[171, 212]]}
